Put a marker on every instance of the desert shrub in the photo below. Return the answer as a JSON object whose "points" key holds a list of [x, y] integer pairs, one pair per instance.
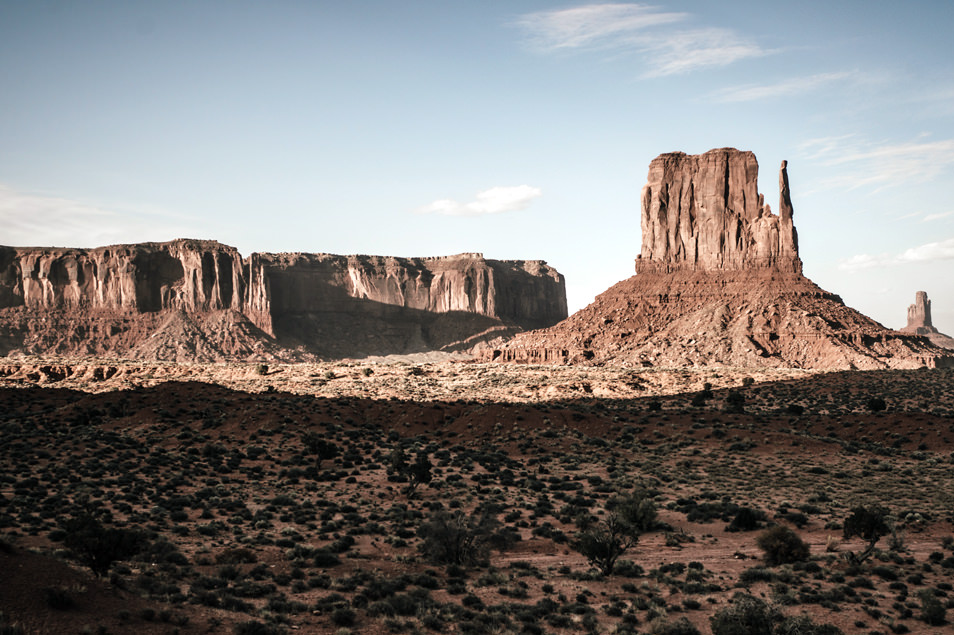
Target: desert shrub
{"points": [[803, 625], [781, 545], [261, 369], [876, 404], [746, 519], [735, 402], [343, 616], [933, 612], [746, 615], [58, 598], [682, 626], [456, 538], [237, 555], [637, 511], [258, 628]]}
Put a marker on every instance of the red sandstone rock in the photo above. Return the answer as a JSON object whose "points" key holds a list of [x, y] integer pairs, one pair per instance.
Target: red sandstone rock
{"points": [[190, 299], [718, 284], [919, 322], [704, 213]]}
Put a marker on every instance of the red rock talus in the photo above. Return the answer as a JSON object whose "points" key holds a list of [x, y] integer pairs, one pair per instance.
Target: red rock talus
{"points": [[718, 283], [199, 300]]}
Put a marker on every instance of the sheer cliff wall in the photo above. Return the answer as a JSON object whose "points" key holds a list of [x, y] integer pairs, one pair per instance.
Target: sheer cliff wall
{"points": [[312, 292]]}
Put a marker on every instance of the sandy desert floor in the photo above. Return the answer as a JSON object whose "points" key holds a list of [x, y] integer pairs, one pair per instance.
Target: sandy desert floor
{"points": [[244, 530]]}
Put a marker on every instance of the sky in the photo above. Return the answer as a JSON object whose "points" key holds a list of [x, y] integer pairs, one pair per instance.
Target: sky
{"points": [[519, 129]]}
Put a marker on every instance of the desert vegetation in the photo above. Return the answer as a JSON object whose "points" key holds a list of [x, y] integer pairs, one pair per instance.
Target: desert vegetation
{"points": [[195, 507]]}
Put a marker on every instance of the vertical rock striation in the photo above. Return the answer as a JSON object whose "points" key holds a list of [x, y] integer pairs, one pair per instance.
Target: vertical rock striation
{"points": [[718, 282], [321, 304], [704, 213]]}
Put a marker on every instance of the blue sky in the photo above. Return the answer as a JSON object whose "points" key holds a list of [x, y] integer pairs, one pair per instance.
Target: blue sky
{"points": [[517, 129]]}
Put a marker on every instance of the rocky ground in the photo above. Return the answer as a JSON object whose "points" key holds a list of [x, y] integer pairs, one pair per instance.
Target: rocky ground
{"points": [[242, 527]]}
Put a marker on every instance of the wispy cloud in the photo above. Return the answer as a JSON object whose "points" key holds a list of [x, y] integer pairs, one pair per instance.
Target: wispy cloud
{"points": [[33, 219], [928, 252], [932, 217], [495, 200], [642, 29], [861, 163], [784, 88]]}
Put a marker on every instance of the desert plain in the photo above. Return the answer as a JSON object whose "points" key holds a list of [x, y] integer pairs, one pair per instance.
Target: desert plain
{"points": [[246, 529]]}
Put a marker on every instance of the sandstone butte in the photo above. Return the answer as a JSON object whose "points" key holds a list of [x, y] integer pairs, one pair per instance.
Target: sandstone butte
{"points": [[919, 322], [718, 283], [196, 300]]}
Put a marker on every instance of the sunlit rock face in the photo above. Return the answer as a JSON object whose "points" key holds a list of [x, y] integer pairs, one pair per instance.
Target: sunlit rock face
{"points": [[718, 283], [704, 213], [200, 299]]}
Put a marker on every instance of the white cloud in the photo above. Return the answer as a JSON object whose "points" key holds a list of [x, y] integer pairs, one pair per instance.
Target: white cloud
{"points": [[641, 29], [495, 200], [37, 220], [928, 252], [863, 261], [942, 250], [785, 88], [860, 163], [939, 216]]}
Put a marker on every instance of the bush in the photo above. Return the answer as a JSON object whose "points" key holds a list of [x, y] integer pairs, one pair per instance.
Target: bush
{"points": [[58, 598], [747, 615], [682, 626], [456, 538], [343, 616], [933, 611], [781, 545], [803, 625], [876, 404]]}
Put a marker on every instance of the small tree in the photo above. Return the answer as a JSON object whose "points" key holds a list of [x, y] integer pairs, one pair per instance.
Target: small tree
{"points": [[781, 545], [321, 448], [417, 473], [604, 542], [99, 547], [868, 523]]}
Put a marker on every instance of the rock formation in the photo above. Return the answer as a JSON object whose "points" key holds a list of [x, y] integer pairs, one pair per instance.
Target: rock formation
{"points": [[704, 212], [191, 299], [919, 322], [718, 282]]}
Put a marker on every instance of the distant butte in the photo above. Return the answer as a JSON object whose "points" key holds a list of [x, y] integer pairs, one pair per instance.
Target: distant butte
{"points": [[199, 300], [718, 283], [919, 322]]}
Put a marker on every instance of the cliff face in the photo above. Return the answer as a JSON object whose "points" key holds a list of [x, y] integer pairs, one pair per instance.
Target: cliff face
{"points": [[718, 283], [188, 275], [525, 293], [321, 304], [703, 212]]}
